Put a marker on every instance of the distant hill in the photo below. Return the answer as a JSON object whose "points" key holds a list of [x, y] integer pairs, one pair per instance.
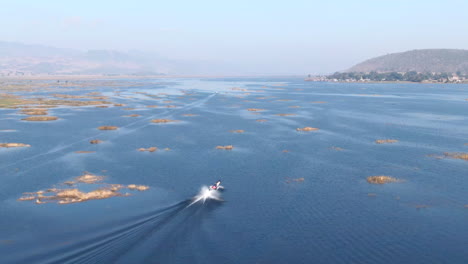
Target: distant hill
{"points": [[18, 59], [426, 60]]}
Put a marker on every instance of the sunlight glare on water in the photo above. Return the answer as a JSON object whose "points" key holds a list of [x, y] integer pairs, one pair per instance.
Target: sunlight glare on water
{"points": [[206, 194]]}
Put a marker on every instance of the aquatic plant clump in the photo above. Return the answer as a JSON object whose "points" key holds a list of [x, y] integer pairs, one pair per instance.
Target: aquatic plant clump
{"points": [[457, 155], [385, 141], [137, 187], [75, 195], [237, 131], [95, 141], [336, 148], [34, 111], [163, 121], [285, 114], [89, 178], [381, 179], [288, 180], [13, 145], [307, 129], [151, 149], [255, 109], [108, 128], [40, 118], [228, 147]]}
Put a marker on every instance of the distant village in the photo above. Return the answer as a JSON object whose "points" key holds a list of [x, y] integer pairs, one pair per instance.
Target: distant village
{"points": [[411, 76]]}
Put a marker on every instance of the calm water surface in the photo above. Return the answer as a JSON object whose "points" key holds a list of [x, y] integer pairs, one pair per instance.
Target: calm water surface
{"points": [[269, 214]]}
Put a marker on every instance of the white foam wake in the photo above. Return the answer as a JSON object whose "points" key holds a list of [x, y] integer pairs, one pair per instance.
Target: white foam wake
{"points": [[206, 194]]}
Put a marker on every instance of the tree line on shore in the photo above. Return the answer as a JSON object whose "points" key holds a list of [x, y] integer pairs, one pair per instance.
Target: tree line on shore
{"points": [[411, 76]]}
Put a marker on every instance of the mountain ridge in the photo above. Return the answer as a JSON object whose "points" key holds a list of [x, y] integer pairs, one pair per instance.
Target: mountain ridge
{"points": [[421, 60], [19, 59]]}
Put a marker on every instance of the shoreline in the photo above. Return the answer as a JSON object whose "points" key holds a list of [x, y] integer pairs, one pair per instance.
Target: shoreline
{"points": [[391, 82], [107, 77]]}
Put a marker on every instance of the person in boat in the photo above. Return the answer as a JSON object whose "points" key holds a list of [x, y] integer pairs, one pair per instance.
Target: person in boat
{"points": [[216, 185]]}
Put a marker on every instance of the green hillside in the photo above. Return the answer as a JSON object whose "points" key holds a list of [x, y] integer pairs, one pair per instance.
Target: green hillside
{"points": [[427, 60]]}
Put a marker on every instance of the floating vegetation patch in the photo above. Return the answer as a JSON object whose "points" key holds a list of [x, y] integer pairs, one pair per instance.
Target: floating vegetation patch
{"points": [[381, 179], [95, 141], [239, 89], [70, 103], [150, 149], [119, 104], [34, 111], [385, 141], [133, 115], [13, 145], [40, 118], [75, 195], [69, 96], [152, 106], [108, 127], [89, 178], [336, 148], [255, 109], [228, 147], [10, 101], [137, 187], [285, 114], [261, 120], [237, 131], [67, 196], [163, 121], [288, 180], [307, 129], [102, 106], [456, 155]]}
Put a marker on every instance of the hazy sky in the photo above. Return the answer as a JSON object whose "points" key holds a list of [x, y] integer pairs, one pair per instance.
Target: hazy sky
{"points": [[273, 37]]}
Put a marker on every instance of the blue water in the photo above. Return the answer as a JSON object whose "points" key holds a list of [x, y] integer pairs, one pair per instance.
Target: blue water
{"points": [[332, 216]]}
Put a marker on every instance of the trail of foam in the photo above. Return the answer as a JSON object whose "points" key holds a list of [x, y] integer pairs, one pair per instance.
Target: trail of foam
{"points": [[88, 246], [110, 245], [166, 114]]}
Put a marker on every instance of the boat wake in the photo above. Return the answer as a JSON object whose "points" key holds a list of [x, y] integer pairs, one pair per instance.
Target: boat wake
{"points": [[204, 195], [141, 239]]}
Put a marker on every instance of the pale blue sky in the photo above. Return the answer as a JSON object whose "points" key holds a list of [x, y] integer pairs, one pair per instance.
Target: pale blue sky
{"points": [[275, 37]]}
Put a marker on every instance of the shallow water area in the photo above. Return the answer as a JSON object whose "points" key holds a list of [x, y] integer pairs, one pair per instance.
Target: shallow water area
{"points": [[290, 196]]}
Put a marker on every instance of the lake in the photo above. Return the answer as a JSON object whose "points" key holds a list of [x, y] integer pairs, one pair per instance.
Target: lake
{"points": [[290, 196]]}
